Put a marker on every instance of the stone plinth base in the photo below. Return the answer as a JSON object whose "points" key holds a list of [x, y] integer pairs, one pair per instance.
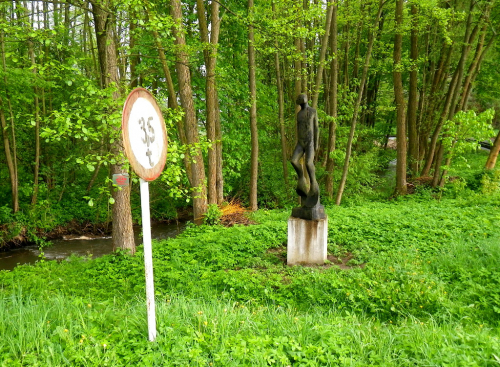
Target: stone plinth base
{"points": [[306, 241], [315, 213]]}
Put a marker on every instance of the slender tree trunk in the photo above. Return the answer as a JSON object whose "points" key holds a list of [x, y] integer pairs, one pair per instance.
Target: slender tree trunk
{"points": [[198, 183], [400, 103], [214, 40], [10, 152], [453, 90], [220, 178], [172, 98], [324, 44], [31, 53], [354, 119], [438, 80], [357, 48], [437, 165], [333, 104], [253, 112], [347, 47], [134, 59], [298, 73], [123, 234], [10, 159], [413, 96], [492, 158], [281, 112], [442, 180], [210, 54], [474, 68]]}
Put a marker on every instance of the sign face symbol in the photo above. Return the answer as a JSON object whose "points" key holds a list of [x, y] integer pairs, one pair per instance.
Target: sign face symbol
{"points": [[144, 134], [149, 138]]}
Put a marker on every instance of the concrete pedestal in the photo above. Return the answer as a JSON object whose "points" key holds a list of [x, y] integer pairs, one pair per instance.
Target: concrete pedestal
{"points": [[306, 241]]}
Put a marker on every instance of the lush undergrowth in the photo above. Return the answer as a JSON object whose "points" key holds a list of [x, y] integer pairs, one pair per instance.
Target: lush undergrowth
{"points": [[422, 287]]}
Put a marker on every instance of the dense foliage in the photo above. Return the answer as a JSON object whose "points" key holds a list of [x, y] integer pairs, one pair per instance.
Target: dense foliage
{"points": [[61, 97]]}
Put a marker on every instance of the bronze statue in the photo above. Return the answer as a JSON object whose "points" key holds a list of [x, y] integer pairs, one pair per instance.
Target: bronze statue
{"points": [[307, 144]]}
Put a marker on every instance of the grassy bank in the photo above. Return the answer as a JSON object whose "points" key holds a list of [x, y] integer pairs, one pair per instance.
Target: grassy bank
{"points": [[205, 332], [421, 287]]}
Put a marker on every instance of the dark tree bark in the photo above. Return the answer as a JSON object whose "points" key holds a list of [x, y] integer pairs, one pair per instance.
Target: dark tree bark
{"points": [[9, 142], [492, 158], [134, 59], [453, 91], [198, 184], [413, 150], [324, 44], [253, 113], [123, 234], [31, 53], [400, 103], [354, 119], [281, 112], [210, 54], [333, 104]]}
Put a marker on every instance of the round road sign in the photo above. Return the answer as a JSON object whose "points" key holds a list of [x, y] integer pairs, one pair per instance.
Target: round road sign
{"points": [[144, 134]]}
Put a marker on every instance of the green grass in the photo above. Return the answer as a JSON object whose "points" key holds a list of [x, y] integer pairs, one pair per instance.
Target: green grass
{"points": [[60, 331], [428, 294], [423, 290]]}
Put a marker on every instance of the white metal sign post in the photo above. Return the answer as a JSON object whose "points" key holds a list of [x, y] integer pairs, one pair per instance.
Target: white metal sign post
{"points": [[145, 143]]}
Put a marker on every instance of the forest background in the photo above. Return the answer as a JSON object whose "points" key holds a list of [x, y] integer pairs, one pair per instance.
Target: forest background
{"points": [[226, 75], [412, 276]]}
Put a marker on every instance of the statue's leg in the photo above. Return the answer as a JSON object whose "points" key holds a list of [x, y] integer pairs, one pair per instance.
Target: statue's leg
{"points": [[313, 195], [301, 184]]}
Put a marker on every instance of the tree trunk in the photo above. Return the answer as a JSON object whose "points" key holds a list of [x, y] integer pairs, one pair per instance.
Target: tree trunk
{"points": [[10, 159], [172, 98], [10, 152], [474, 69], [134, 59], [210, 54], [198, 183], [123, 234], [334, 73], [453, 89], [413, 97], [281, 111], [492, 158], [400, 103], [354, 119], [31, 53], [298, 73], [253, 112], [324, 44], [220, 178]]}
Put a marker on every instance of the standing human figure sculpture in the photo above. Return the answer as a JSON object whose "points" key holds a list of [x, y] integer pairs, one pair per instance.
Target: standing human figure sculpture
{"points": [[307, 144]]}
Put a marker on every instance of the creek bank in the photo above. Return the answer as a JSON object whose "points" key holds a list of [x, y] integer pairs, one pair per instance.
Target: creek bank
{"points": [[15, 235], [90, 245]]}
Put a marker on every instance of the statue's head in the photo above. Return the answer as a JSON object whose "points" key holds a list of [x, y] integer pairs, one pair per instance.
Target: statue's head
{"points": [[301, 99]]}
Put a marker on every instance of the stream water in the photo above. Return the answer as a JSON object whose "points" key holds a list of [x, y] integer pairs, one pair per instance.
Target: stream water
{"points": [[62, 249]]}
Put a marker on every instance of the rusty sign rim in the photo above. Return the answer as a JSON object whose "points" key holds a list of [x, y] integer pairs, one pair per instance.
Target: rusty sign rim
{"points": [[147, 174]]}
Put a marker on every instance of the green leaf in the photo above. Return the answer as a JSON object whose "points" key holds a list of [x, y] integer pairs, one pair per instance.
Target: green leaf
{"points": [[111, 201]]}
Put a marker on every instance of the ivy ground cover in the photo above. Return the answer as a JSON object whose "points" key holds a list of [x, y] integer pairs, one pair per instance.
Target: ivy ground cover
{"points": [[421, 288]]}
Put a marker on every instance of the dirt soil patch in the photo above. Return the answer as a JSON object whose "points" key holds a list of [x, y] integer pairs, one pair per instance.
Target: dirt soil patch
{"points": [[342, 262]]}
